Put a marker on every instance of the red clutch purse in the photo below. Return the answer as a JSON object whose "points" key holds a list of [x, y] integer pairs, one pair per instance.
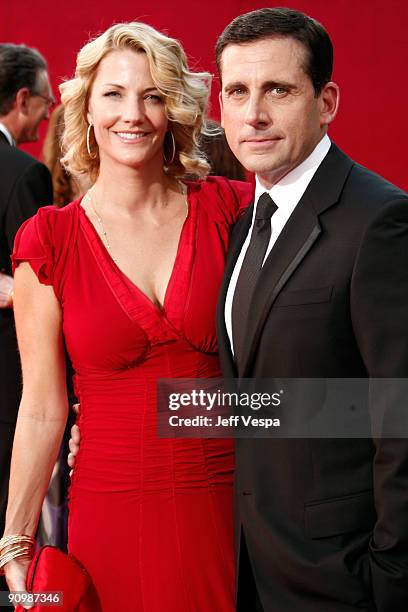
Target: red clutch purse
{"points": [[52, 570]]}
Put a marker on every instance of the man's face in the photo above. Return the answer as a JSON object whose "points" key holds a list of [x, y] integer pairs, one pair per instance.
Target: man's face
{"points": [[36, 109], [269, 111]]}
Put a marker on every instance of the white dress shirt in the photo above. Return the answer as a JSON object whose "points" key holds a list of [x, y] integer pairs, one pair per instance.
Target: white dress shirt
{"points": [[7, 134], [286, 194]]}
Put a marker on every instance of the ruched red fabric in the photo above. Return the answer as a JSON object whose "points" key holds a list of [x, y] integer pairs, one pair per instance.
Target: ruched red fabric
{"points": [[150, 518]]}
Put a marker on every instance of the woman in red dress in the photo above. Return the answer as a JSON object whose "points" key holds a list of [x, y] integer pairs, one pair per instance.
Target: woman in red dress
{"points": [[128, 278]]}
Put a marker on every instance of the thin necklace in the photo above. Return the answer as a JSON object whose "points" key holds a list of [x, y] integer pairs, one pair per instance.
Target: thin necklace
{"points": [[101, 225], [99, 219]]}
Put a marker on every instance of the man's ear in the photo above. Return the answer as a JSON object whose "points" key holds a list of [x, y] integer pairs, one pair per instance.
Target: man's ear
{"points": [[21, 99], [221, 108], [329, 102]]}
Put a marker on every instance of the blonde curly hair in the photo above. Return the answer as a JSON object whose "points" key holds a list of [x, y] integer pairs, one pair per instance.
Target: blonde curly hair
{"points": [[185, 96]]}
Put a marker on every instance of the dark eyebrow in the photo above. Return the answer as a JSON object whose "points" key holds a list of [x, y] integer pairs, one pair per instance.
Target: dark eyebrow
{"points": [[232, 86], [282, 84], [266, 85]]}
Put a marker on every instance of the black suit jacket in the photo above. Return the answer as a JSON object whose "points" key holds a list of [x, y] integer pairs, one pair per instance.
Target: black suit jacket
{"points": [[324, 522], [25, 185]]}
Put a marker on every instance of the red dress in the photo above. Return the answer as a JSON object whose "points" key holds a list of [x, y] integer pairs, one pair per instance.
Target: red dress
{"points": [[150, 518]]}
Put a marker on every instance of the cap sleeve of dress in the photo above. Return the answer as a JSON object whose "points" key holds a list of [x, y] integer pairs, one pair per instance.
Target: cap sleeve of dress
{"points": [[33, 243], [225, 200]]}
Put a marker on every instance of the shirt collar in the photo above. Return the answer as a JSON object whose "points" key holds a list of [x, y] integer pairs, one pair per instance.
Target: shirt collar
{"points": [[290, 189], [7, 134]]}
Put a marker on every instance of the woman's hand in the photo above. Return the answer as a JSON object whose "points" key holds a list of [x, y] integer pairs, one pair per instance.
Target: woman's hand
{"points": [[74, 441], [16, 575], [6, 290]]}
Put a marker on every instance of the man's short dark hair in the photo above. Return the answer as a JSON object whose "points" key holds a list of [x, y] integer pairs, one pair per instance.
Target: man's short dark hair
{"points": [[283, 22], [19, 67]]}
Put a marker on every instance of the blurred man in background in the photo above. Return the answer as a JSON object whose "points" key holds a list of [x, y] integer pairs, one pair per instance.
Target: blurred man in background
{"points": [[25, 184]]}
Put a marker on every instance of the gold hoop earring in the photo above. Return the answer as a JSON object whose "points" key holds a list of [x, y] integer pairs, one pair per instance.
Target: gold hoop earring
{"points": [[171, 160], [88, 141]]}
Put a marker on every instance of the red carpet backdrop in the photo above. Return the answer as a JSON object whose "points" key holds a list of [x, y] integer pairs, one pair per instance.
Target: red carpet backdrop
{"points": [[371, 55]]}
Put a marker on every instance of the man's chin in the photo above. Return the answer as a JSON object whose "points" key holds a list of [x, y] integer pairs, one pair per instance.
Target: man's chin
{"points": [[254, 159], [269, 173], [261, 166]]}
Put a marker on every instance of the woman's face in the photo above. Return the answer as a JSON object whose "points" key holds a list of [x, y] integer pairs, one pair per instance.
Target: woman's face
{"points": [[127, 111]]}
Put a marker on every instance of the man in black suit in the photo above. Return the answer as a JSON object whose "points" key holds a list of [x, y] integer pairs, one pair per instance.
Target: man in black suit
{"points": [[316, 286], [25, 184]]}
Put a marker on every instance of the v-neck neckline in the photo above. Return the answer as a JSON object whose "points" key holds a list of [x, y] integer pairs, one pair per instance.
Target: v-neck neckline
{"points": [[125, 289]]}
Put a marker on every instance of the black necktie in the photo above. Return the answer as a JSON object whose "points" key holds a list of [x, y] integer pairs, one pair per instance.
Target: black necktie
{"points": [[250, 270]]}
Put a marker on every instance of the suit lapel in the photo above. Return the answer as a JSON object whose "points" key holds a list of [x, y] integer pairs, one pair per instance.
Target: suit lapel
{"points": [[3, 139], [238, 235], [294, 243]]}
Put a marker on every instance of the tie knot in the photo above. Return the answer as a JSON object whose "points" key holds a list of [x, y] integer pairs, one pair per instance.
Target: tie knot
{"points": [[265, 208]]}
